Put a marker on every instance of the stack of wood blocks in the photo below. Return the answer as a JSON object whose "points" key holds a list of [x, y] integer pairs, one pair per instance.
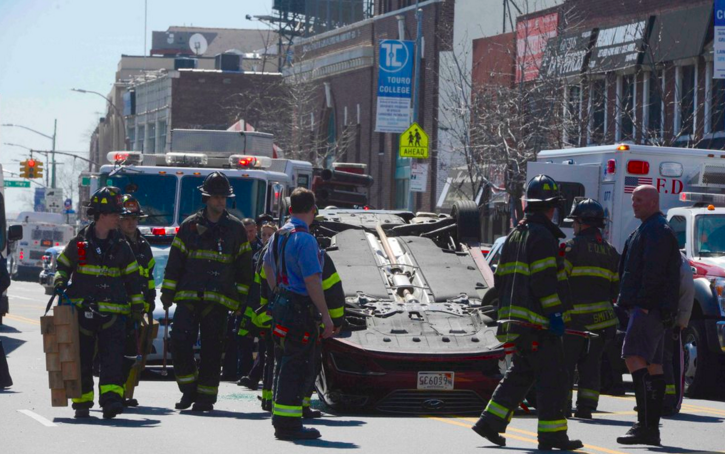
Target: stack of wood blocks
{"points": [[61, 345]]}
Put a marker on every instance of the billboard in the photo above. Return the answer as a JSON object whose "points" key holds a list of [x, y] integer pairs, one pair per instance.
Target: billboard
{"points": [[531, 38]]}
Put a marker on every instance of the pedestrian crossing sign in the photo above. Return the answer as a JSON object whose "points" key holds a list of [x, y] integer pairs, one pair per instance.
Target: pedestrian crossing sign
{"points": [[414, 143]]}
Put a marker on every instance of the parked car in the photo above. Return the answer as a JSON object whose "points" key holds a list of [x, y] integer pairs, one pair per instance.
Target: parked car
{"points": [[49, 263]]}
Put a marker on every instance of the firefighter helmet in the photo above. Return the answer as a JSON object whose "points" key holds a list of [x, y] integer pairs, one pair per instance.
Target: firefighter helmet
{"points": [[587, 211], [106, 200], [543, 192], [131, 207], [216, 183]]}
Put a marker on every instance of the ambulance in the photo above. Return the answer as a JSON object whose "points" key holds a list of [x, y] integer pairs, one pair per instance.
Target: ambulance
{"points": [[691, 185]]}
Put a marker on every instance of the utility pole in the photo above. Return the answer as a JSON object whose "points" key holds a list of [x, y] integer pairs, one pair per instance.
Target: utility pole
{"points": [[52, 155], [416, 86]]}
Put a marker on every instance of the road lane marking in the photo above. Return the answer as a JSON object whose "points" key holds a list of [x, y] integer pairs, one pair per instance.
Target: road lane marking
{"points": [[23, 298], [20, 318], [457, 423], [38, 418]]}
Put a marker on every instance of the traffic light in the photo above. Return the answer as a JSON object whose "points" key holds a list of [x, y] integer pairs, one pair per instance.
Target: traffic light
{"points": [[38, 169], [24, 169], [32, 167]]}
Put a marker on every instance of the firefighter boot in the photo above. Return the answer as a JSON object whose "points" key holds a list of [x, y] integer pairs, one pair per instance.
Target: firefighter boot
{"points": [[130, 403], [112, 409], [308, 413], [187, 399], [82, 413], [202, 406], [583, 413], [562, 443], [642, 433], [301, 433], [489, 434]]}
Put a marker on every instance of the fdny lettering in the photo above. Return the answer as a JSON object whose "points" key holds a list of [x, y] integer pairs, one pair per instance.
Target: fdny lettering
{"points": [[598, 249], [665, 186]]}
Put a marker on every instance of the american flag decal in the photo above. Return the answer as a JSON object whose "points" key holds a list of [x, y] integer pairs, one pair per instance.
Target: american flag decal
{"points": [[631, 183]]}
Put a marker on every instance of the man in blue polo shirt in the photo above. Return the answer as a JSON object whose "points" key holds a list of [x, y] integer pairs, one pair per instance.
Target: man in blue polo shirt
{"points": [[293, 265]]}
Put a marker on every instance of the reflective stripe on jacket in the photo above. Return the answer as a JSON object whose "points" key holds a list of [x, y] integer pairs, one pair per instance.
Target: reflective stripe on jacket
{"points": [[146, 263], [591, 267], [209, 262], [529, 277], [109, 279]]}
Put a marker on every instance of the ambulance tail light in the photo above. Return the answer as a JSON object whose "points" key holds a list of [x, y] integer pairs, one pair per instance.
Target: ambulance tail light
{"points": [[638, 167], [21, 254], [186, 159], [240, 161], [124, 157], [611, 166]]}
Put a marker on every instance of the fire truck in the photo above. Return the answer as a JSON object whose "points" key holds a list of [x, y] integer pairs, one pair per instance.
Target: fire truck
{"points": [[691, 185]]}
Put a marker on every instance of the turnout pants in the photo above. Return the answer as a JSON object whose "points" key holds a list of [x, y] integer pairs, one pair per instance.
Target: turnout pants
{"points": [[545, 367], [130, 349], [209, 319], [268, 370], [585, 355], [110, 333], [5, 380], [295, 333]]}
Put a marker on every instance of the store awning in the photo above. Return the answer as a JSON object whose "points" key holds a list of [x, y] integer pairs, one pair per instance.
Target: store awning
{"points": [[567, 54], [619, 47], [679, 34]]}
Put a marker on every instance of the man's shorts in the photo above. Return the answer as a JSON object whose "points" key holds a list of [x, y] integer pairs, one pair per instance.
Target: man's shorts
{"points": [[645, 336]]}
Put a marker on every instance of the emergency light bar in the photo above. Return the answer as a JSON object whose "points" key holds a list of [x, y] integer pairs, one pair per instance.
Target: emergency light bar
{"points": [[125, 157], [158, 231], [241, 161], [186, 159], [702, 198]]}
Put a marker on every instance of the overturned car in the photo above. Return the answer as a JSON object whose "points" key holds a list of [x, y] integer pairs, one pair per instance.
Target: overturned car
{"points": [[419, 336]]}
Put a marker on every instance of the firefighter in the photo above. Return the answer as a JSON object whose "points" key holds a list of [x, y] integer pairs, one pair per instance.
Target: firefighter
{"points": [[527, 279], [294, 261], [208, 274], [591, 268], [145, 259], [105, 288]]}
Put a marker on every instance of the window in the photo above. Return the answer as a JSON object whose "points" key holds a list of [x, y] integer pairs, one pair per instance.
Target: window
{"points": [[709, 236], [597, 111], [569, 191], [151, 138], [717, 97], [653, 105], [679, 226], [140, 139], [132, 138], [250, 205], [686, 100], [161, 145], [572, 125], [155, 193], [627, 108]]}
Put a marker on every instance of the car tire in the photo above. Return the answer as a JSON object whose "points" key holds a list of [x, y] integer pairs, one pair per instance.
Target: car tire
{"points": [[468, 221], [701, 366]]}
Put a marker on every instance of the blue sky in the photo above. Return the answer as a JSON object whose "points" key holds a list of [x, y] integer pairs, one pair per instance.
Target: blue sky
{"points": [[51, 46]]}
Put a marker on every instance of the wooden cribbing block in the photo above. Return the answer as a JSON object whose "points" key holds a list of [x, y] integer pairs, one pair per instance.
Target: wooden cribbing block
{"points": [[55, 380], [67, 353], [64, 334], [58, 398], [71, 371], [64, 315], [73, 389], [52, 362]]}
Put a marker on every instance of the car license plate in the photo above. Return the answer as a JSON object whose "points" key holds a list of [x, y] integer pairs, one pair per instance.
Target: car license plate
{"points": [[435, 380]]}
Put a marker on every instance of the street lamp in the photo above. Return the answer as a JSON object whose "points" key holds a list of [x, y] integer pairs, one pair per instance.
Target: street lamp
{"points": [[118, 112], [47, 174], [52, 152]]}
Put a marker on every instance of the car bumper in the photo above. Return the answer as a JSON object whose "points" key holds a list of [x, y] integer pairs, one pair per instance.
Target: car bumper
{"points": [[389, 383], [720, 327]]}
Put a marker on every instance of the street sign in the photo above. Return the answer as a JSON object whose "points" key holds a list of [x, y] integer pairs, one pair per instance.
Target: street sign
{"points": [[68, 204], [395, 85], [418, 176], [719, 41], [17, 184], [54, 200], [85, 181], [414, 143]]}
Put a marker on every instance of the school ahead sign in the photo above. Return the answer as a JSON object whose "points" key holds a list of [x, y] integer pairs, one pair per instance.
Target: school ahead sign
{"points": [[414, 143], [395, 85]]}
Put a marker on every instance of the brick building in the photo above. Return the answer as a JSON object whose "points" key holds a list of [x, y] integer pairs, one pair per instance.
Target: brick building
{"points": [[343, 66]]}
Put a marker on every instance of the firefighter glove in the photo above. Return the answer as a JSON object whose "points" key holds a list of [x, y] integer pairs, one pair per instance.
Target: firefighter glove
{"points": [[60, 286], [167, 299], [556, 324]]}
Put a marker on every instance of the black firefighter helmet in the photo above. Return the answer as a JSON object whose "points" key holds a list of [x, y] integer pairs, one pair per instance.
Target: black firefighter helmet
{"points": [[131, 207], [216, 183], [587, 211], [106, 200], [542, 193]]}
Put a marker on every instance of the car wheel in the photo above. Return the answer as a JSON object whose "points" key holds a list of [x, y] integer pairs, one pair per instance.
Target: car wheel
{"points": [[468, 221], [700, 363]]}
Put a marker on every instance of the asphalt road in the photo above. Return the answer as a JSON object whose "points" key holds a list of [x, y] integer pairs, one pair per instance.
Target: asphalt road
{"points": [[28, 423]]}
